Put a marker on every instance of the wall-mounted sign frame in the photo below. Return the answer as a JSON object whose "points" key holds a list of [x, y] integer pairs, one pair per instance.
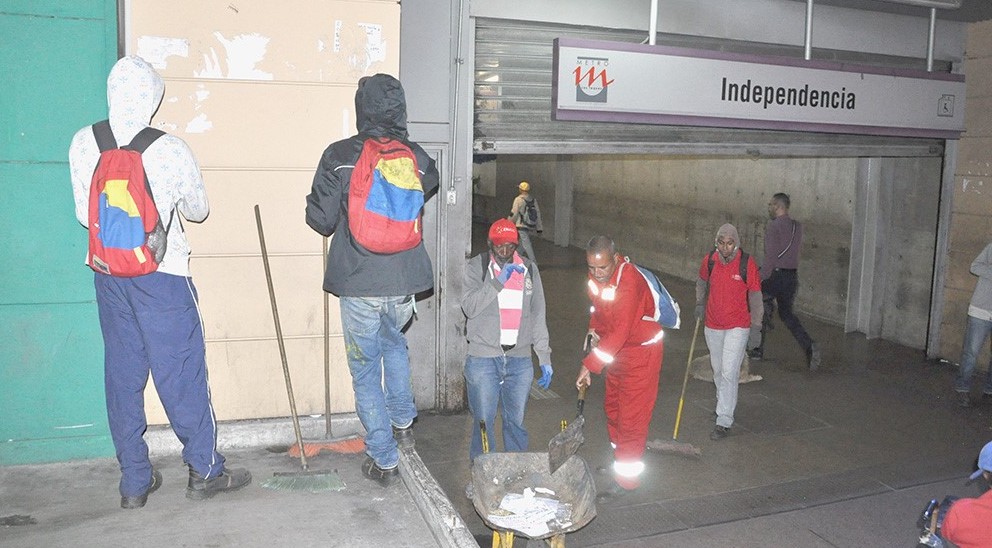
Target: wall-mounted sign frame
{"points": [[634, 83]]}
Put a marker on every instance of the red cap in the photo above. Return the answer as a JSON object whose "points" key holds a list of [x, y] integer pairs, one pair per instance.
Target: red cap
{"points": [[502, 232]]}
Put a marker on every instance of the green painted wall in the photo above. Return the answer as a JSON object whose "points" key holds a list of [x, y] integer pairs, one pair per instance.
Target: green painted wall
{"points": [[54, 58]]}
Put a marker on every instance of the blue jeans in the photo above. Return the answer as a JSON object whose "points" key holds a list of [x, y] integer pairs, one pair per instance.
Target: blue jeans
{"points": [[975, 335], [727, 348], [494, 381], [376, 348]]}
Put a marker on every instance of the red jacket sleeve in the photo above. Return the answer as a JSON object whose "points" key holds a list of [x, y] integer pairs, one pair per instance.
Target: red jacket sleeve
{"points": [[617, 321]]}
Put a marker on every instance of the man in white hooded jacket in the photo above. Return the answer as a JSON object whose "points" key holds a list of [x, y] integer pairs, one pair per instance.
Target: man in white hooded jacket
{"points": [[151, 323]]}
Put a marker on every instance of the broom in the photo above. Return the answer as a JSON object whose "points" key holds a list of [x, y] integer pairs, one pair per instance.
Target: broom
{"points": [[313, 481], [676, 447], [344, 444]]}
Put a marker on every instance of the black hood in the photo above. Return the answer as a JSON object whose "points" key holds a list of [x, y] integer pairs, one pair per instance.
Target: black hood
{"points": [[380, 106]]}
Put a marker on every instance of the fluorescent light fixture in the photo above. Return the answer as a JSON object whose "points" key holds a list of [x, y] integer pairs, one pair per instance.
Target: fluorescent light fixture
{"points": [[939, 4]]}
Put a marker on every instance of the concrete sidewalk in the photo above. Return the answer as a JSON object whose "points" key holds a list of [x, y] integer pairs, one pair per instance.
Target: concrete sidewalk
{"points": [[76, 504]]}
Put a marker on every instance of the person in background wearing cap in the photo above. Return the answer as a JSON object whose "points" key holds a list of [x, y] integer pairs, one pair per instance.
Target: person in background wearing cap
{"points": [[526, 214], [626, 347], [505, 310], [729, 305], [968, 523]]}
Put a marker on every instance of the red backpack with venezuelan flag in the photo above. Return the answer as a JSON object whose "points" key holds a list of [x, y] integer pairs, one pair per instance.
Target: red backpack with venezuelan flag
{"points": [[386, 197], [126, 235]]}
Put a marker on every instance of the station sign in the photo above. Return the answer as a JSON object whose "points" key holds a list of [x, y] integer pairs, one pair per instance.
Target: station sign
{"points": [[635, 83]]}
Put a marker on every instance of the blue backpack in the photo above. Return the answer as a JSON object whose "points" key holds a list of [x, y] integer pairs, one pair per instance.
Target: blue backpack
{"points": [[666, 310]]}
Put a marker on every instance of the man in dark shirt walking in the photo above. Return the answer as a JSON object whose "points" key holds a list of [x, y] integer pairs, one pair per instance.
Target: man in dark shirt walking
{"points": [[780, 277]]}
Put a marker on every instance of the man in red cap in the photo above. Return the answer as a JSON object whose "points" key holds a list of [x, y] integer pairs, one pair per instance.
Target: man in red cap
{"points": [[968, 523], [626, 345], [505, 311]]}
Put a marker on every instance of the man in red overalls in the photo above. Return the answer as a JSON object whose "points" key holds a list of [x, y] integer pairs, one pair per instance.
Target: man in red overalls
{"points": [[627, 345]]}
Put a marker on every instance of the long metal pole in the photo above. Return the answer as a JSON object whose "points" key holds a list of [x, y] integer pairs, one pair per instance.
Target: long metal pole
{"points": [[327, 348], [653, 24], [933, 30], [808, 51], [282, 345]]}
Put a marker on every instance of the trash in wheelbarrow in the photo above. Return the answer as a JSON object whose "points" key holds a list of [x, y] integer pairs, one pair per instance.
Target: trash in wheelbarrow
{"points": [[517, 492]]}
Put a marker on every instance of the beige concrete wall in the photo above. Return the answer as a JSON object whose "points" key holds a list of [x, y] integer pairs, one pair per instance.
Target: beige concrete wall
{"points": [[664, 211], [258, 90], [971, 217]]}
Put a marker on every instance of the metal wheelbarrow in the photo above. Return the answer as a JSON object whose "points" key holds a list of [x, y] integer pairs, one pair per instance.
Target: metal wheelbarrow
{"points": [[569, 494]]}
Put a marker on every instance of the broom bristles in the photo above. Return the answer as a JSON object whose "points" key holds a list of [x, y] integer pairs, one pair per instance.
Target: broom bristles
{"points": [[309, 481], [313, 448], [675, 448]]}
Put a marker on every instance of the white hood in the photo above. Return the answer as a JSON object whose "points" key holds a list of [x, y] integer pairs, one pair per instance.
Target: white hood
{"points": [[134, 92]]}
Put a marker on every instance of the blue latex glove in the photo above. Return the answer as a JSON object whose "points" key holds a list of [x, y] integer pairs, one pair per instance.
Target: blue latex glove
{"points": [[508, 271], [546, 373]]}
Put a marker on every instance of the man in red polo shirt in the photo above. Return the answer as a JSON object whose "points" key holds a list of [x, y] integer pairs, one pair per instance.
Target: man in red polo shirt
{"points": [[627, 349], [730, 298]]}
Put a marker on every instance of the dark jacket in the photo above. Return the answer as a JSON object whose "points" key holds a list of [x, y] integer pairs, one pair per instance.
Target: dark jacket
{"points": [[352, 270]]}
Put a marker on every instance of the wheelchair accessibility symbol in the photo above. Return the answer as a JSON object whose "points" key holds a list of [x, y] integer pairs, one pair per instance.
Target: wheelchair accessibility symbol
{"points": [[945, 106]]}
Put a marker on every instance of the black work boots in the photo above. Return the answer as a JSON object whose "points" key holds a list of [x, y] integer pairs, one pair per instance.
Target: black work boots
{"points": [[383, 476], [130, 503], [230, 479], [404, 437]]}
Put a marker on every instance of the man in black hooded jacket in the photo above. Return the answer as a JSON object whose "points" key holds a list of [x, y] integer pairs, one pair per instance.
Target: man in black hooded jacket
{"points": [[376, 291]]}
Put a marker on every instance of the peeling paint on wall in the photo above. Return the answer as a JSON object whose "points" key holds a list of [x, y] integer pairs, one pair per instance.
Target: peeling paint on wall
{"points": [[157, 49], [361, 47], [201, 123], [242, 53]]}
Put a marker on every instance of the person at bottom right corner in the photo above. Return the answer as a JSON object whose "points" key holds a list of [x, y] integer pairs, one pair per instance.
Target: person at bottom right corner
{"points": [[780, 277], [968, 523], [978, 329]]}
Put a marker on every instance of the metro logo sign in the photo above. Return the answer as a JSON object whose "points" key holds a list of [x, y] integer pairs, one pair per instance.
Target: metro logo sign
{"points": [[591, 82]]}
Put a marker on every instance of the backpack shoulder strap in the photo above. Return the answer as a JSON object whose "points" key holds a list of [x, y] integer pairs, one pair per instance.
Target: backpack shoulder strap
{"points": [[104, 136], [144, 139], [709, 266]]}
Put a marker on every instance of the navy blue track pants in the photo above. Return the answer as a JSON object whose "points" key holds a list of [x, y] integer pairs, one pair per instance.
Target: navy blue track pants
{"points": [[152, 324]]}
